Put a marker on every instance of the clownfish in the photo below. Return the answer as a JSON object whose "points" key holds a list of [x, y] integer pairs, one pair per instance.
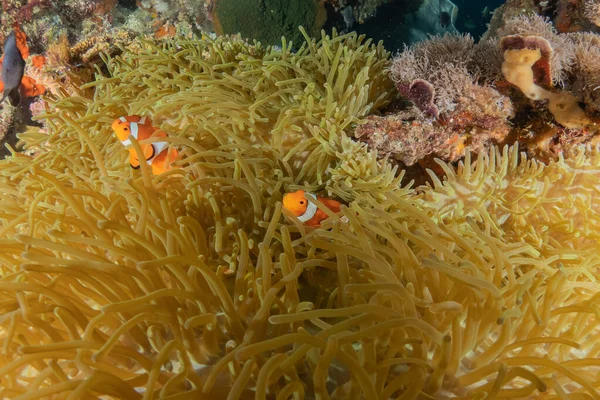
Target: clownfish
{"points": [[158, 155], [308, 213]]}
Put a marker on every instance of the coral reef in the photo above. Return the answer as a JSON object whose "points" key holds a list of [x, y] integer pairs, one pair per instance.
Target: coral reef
{"points": [[89, 50], [437, 76], [188, 15], [71, 32], [526, 82], [192, 284], [29, 88], [560, 53], [566, 71], [566, 15]]}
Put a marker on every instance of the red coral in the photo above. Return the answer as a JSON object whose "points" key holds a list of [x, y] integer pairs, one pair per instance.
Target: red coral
{"points": [[38, 61], [30, 88]]}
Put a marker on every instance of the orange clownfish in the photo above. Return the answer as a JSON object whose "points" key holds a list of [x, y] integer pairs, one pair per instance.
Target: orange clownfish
{"points": [[307, 212], [157, 154]]}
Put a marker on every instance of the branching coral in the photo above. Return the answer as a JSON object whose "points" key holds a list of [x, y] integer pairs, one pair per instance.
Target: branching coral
{"points": [[117, 283], [90, 49]]}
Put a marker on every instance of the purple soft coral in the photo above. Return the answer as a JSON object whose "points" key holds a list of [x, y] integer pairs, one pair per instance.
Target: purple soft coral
{"points": [[422, 94]]}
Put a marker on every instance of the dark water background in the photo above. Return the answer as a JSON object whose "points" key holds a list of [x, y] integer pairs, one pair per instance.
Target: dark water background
{"points": [[390, 24], [470, 12]]}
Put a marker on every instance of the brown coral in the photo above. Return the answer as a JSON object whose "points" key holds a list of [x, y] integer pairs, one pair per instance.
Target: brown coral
{"points": [[587, 69], [89, 49], [486, 60], [405, 140], [591, 10], [479, 120]]}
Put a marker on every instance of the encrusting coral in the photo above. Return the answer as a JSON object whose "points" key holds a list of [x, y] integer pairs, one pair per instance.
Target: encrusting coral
{"points": [[193, 284]]}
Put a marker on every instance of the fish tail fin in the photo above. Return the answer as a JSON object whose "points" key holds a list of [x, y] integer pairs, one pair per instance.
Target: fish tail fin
{"points": [[133, 159], [14, 97]]}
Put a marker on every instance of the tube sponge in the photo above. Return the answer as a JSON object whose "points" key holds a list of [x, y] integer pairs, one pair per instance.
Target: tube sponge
{"points": [[525, 54]]}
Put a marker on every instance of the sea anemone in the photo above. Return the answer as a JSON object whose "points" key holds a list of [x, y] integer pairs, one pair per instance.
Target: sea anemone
{"points": [[192, 283]]}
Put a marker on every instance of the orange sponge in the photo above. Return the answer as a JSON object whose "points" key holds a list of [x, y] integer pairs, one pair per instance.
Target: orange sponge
{"points": [[526, 65]]}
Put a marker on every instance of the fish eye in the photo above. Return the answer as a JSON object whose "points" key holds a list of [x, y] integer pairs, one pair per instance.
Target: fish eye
{"points": [[302, 202], [126, 129]]}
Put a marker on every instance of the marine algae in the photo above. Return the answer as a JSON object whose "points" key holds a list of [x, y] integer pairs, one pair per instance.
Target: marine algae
{"points": [[193, 284]]}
